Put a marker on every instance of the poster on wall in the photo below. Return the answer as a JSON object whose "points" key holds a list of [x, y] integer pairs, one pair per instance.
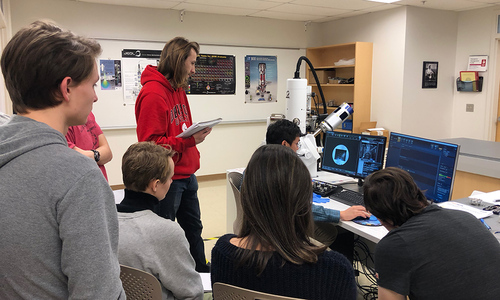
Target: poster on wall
{"points": [[111, 74], [134, 61], [215, 74], [261, 79], [429, 75]]}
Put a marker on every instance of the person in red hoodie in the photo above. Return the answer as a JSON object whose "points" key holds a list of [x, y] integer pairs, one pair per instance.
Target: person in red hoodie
{"points": [[162, 112]]}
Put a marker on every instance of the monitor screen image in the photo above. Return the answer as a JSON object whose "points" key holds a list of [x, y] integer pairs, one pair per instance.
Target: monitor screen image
{"points": [[354, 155], [432, 164]]}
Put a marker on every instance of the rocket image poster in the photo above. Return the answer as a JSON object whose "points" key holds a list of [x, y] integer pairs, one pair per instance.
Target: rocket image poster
{"points": [[261, 79]]}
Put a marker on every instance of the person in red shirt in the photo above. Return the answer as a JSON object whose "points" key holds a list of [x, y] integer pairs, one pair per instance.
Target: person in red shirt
{"points": [[162, 112], [89, 140]]}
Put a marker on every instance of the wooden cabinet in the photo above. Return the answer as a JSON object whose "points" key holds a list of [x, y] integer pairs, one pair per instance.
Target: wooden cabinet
{"points": [[357, 94]]}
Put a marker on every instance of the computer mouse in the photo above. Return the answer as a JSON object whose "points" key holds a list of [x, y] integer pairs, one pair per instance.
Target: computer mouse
{"points": [[361, 218]]}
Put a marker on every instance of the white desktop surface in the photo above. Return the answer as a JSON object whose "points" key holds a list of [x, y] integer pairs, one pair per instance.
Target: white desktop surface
{"points": [[371, 233]]}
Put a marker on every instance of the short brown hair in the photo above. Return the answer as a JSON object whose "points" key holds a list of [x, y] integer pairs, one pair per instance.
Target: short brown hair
{"points": [[172, 59], [391, 194], [38, 58], [143, 162]]}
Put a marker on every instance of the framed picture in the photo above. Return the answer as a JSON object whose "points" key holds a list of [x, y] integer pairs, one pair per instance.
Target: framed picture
{"points": [[430, 75]]}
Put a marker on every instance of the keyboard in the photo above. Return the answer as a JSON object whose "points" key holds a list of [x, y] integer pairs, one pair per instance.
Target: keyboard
{"points": [[348, 197]]}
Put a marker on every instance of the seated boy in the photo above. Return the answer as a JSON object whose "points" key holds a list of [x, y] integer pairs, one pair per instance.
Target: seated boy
{"points": [[430, 252], [147, 241]]}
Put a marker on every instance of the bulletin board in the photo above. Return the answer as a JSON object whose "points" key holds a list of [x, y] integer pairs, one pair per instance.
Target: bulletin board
{"points": [[112, 113]]}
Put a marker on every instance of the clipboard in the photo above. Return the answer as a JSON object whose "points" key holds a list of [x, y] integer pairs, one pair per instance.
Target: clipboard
{"points": [[198, 126]]}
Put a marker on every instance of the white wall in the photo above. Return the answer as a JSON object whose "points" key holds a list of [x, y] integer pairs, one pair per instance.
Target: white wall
{"points": [[229, 145], [430, 36], [476, 37], [405, 37], [402, 39], [386, 30]]}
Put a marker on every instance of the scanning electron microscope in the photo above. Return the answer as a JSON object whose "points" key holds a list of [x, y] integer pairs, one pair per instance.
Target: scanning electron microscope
{"points": [[298, 103]]}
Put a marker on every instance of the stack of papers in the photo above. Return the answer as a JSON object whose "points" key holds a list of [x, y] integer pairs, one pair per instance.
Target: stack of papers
{"points": [[476, 212], [199, 126], [491, 197]]}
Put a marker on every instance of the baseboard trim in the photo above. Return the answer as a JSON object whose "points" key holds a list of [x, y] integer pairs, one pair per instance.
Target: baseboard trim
{"points": [[201, 178], [211, 177], [117, 187]]}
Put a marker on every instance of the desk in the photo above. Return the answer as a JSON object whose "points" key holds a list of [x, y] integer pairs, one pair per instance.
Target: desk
{"points": [[478, 167], [371, 233], [492, 221]]}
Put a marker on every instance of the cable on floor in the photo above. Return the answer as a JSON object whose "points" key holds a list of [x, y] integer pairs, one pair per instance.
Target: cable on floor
{"points": [[362, 260]]}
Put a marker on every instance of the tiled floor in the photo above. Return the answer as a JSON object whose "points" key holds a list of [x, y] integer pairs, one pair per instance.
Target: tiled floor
{"points": [[212, 195]]}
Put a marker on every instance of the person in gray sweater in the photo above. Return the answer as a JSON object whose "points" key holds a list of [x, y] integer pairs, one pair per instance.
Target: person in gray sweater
{"points": [[147, 241], [58, 222], [4, 118]]}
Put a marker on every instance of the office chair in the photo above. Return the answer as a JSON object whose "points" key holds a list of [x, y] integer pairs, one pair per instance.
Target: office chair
{"points": [[235, 179], [139, 285], [223, 291]]}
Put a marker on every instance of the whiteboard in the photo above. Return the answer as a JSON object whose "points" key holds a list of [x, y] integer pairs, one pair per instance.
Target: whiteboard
{"points": [[111, 112]]}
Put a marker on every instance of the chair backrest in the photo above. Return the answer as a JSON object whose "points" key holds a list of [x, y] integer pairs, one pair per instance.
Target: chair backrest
{"points": [[139, 285], [235, 179], [223, 291]]}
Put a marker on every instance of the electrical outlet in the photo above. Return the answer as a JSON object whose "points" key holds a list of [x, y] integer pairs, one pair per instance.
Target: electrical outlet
{"points": [[469, 107]]}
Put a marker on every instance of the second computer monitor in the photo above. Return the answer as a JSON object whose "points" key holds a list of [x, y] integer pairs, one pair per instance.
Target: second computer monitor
{"points": [[354, 155], [431, 163]]}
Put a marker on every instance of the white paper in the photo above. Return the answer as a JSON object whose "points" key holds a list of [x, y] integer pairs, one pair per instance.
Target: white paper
{"points": [[206, 281], [199, 126], [375, 129], [490, 197], [476, 212]]}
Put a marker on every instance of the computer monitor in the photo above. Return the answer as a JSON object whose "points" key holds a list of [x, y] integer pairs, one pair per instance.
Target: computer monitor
{"points": [[354, 155], [432, 164]]}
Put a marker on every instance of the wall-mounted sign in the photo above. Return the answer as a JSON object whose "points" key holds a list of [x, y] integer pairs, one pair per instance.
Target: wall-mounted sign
{"points": [[478, 63]]}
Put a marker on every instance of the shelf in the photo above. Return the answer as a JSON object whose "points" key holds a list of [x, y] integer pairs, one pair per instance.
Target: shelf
{"points": [[333, 67], [333, 84], [359, 94]]}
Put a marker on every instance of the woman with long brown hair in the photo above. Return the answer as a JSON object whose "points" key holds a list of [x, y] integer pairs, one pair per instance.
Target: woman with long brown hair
{"points": [[273, 253]]}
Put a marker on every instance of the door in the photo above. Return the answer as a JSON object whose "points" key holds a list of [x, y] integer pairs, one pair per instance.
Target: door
{"points": [[497, 138]]}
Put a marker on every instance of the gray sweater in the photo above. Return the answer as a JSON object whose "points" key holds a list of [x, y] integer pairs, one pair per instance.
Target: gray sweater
{"points": [[58, 222], [158, 245]]}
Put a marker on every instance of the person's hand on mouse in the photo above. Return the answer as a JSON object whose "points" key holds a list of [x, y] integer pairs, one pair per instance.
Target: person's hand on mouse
{"points": [[353, 212]]}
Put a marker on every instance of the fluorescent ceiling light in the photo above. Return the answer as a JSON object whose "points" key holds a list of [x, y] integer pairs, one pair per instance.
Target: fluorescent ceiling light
{"points": [[384, 1]]}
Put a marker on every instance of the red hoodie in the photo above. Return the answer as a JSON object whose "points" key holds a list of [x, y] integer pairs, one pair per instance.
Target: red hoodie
{"points": [[161, 114]]}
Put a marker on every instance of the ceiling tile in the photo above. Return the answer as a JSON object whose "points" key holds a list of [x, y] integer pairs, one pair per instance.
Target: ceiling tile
{"points": [[286, 16], [338, 4], [246, 4], [296, 10], [166, 4], [215, 9], [453, 5], [306, 9]]}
